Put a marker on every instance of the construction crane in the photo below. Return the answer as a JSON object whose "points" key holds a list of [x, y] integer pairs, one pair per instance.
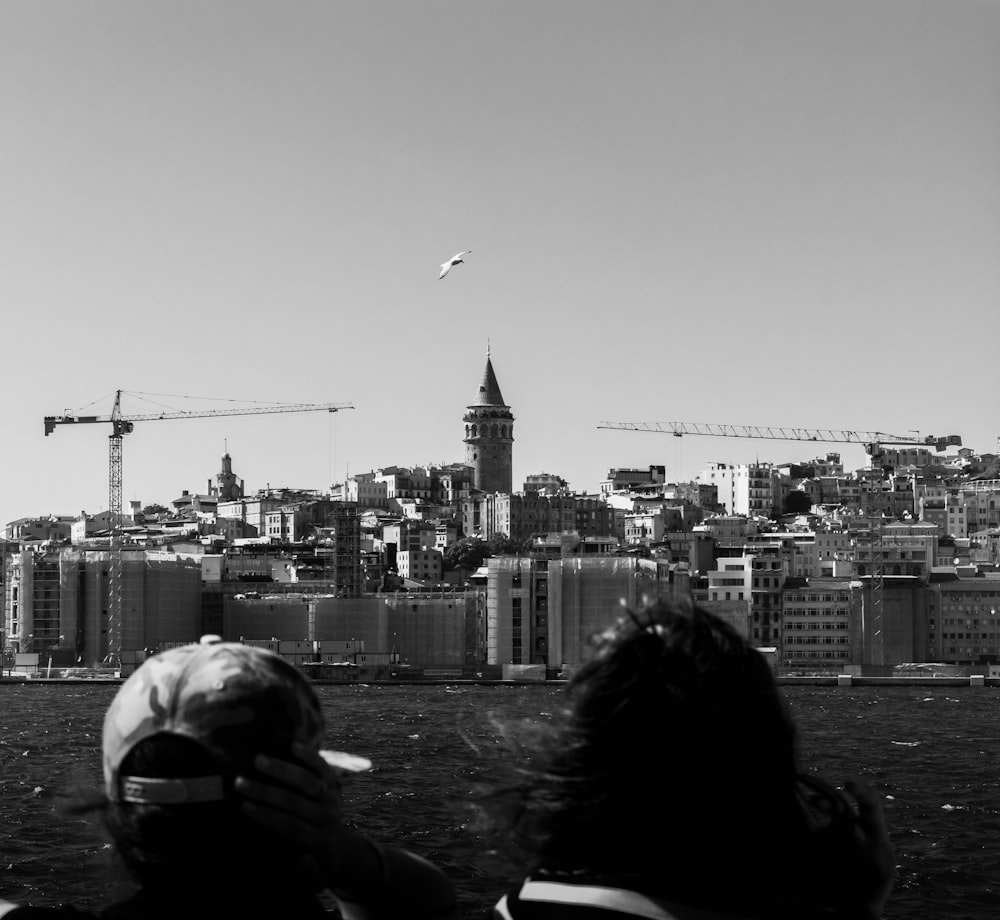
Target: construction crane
{"points": [[874, 443], [122, 425]]}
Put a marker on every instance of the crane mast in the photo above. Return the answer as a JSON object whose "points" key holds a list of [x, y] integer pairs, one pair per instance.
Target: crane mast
{"points": [[121, 426], [873, 441]]}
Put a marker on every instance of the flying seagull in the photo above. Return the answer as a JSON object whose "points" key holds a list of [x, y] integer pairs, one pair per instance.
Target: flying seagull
{"points": [[454, 260]]}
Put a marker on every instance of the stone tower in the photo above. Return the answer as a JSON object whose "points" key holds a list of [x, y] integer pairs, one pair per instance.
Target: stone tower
{"points": [[489, 436], [228, 487]]}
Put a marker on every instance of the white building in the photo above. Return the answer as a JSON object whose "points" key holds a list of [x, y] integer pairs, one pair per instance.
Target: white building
{"points": [[419, 565]]}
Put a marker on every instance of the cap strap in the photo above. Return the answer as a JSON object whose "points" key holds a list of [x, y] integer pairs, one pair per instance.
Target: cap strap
{"points": [[148, 790]]}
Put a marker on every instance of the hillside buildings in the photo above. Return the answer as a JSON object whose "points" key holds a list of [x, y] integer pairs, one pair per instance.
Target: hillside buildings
{"points": [[830, 570]]}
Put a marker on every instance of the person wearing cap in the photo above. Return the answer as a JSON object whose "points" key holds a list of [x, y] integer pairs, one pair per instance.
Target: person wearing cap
{"points": [[671, 790], [221, 801]]}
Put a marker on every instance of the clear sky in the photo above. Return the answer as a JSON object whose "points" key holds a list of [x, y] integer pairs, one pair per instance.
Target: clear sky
{"points": [[746, 212]]}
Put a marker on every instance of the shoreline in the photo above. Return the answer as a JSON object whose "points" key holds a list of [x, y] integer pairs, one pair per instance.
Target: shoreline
{"points": [[834, 680]]}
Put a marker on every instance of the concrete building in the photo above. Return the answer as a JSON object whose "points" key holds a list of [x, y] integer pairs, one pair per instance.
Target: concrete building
{"points": [[341, 540], [54, 528], [903, 634], [906, 549], [727, 529], [627, 480], [963, 621], [545, 484], [730, 580], [523, 515], [57, 603], [251, 512], [410, 535], [365, 490], [644, 528], [906, 456], [757, 490], [543, 612], [987, 502], [984, 549], [436, 631], [816, 623], [695, 549], [721, 477], [800, 551], [420, 565]]}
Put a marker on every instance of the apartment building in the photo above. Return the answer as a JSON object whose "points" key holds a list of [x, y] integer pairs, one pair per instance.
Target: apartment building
{"points": [[522, 515], [721, 477], [627, 480], [731, 579], [727, 529], [543, 611], [816, 623], [757, 490], [963, 620], [695, 549], [545, 484], [419, 565]]}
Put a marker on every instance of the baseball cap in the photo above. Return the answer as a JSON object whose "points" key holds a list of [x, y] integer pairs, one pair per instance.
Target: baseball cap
{"points": [[235, 700]]}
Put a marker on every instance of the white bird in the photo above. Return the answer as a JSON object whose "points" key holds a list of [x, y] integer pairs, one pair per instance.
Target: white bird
{"points": [[454, 260]]}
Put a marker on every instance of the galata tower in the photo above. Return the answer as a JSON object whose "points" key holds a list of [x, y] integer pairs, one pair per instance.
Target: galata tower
{"points": [[489, 436]]}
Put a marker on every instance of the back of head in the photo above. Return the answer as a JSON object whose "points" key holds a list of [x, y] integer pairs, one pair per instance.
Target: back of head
{"points": [[673, 693], [178, 733], [675, 732]]}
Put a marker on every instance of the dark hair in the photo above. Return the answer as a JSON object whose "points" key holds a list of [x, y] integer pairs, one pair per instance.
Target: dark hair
{"points": [[675, 766]]}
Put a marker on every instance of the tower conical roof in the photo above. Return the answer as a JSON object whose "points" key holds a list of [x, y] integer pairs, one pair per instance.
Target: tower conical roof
{"points": [[489, 389]]}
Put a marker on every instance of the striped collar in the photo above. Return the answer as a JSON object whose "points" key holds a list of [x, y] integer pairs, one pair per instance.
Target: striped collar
{"points": [[621, 901]]}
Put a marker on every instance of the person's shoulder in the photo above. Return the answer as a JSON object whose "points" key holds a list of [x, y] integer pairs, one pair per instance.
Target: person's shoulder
{"points": [[9, 911]]}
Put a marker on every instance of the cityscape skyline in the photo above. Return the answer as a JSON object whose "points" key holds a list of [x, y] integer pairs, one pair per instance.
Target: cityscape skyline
{"points": [[719, 212], [800, 450]]}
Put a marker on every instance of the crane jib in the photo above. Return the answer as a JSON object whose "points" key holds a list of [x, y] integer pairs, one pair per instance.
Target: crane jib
{"points": [[122, 424]]}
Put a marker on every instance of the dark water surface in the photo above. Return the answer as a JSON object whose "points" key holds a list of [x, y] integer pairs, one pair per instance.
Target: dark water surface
{"points": [[933, 753]]}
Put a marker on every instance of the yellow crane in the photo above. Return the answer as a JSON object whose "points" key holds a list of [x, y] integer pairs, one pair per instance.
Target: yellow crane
{"points": [[874, 443], [121, 425]]}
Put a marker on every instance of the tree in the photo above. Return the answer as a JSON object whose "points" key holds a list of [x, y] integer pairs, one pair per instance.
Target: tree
{"points": [[467, 553], [798, 503], [154, 509], [502, 545]]}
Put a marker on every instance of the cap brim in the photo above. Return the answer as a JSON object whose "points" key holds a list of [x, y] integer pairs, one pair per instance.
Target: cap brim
{"points": [[352, 763]]}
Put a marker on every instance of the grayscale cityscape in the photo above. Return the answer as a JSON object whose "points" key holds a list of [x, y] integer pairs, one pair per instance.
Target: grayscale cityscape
{"points": [[452, 571]]}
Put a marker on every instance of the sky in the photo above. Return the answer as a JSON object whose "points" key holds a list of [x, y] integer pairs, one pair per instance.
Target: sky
{"points": [[744, 212]]}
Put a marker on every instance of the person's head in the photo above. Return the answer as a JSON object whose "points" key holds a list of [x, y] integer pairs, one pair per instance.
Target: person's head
{"points": [[676, 756], [178, 733]]}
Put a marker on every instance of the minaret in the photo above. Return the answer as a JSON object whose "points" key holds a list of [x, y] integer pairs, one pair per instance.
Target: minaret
{"points": [[489, 436]]}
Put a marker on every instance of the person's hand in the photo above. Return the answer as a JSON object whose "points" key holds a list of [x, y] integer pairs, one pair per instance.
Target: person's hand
{"points": [[872, 861], [301, 803]]}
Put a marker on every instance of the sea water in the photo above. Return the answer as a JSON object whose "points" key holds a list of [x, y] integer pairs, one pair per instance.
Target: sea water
{"points": [[932, 753]]}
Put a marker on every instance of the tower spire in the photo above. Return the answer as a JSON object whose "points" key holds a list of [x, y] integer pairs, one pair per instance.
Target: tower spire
{"points": [[489, 435]]}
